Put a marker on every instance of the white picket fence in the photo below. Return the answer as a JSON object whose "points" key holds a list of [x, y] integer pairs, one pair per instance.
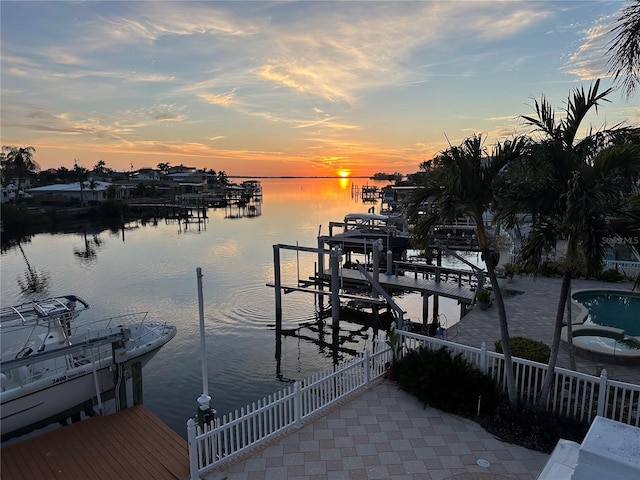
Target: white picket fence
{"points": [[629, 269], [573, 394], [235, 433]]}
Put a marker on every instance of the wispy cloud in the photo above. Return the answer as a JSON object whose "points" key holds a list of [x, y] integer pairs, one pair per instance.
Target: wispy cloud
{"points": [[589, 61]]}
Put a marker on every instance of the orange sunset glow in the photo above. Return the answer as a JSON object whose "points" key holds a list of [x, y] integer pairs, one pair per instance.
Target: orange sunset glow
{"points": [[261, 89]]}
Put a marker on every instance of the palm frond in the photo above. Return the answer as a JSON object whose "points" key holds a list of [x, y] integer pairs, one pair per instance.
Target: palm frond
{"points": [[624, 62]]}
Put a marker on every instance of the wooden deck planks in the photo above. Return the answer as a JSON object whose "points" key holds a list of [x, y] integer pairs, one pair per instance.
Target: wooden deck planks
{"points": [[463, 294], [132, 443]]}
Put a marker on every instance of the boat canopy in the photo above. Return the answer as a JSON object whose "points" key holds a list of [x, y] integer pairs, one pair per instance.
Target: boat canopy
{"points": [[365, 217]]}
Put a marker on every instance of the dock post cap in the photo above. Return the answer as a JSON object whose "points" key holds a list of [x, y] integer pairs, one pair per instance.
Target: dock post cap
{"points": [[204, 400]]}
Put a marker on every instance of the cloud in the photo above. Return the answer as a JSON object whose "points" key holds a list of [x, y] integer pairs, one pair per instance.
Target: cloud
{"points": [[589, 61], [224, 99]]}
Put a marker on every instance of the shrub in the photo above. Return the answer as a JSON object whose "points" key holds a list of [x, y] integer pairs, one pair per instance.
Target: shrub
{"points": [[526, 348], [16, 217], [611, 275], [484, 295], [448, 383], [537, 430]]}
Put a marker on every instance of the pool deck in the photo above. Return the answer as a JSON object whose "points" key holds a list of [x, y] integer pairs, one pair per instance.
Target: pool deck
{"points": [[383, 432], [532, 314]]}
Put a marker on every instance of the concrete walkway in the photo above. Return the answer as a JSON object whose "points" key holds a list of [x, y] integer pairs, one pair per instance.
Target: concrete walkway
{"points": [[385, 433]]}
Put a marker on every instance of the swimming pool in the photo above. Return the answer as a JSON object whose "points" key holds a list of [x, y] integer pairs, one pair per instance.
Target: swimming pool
{"points": [[611, 326]]}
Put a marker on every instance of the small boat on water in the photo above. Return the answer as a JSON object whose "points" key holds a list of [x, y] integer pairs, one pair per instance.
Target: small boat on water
{"points": [[54, 365]]}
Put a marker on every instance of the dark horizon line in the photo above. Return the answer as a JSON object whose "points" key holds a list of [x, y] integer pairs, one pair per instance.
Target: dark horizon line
{"points": [[297, 176]]}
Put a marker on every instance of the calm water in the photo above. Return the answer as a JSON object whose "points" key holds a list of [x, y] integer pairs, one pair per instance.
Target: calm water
{"points": [[153, 268]]}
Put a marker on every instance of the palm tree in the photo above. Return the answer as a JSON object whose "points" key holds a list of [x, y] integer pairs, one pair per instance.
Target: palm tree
{"points": [[574, 188], [461, 182], [624, 63], [80, 174], [222, 177], [163, 167], [19, 162]]}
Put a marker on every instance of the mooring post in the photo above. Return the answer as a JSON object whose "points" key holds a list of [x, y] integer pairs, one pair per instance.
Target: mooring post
{"points": [[425, 309], [389, 263], [136, 382], [320, 272], [376, 250], [277, 282], [335, 294], [119, 377], [205, 412]]}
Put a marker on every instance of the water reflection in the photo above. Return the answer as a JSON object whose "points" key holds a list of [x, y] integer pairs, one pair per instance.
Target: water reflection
{"points": [[90, 248], [33, 282], [153, 270]]}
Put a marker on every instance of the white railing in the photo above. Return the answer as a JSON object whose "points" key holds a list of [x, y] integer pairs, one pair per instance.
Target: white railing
{"points": [[573, 394], [629, 269], [235, 433]]}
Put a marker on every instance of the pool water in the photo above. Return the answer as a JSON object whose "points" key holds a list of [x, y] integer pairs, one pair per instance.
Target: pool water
{"points": [[612, 309], [617, 309]]}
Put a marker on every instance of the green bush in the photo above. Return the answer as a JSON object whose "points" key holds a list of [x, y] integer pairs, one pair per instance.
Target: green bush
{"points": [[448, 383], [523, 425], [484, 295], [611, 275], [526, 348]]}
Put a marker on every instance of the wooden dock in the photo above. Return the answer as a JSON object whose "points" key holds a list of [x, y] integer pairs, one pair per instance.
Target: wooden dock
{"points": [[130, 444], [463, 294]]}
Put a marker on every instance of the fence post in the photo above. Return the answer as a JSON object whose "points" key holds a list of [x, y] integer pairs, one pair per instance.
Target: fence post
{"points": [[297, 404], [367, 368], [483, 358], [602, 397], [193, 449]]}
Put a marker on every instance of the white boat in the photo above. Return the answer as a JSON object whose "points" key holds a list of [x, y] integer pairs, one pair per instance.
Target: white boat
{"points": [[54, 365]]}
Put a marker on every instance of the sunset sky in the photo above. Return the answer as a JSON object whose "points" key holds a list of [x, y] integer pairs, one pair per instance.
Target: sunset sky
{"points": [[289, 88]]}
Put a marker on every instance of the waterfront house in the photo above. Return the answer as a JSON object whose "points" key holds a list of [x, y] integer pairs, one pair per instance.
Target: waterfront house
{"points": [[75, 193]]}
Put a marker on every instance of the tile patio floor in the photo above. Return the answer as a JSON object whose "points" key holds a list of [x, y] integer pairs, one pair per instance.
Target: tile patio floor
{"points": [[384, 433]]}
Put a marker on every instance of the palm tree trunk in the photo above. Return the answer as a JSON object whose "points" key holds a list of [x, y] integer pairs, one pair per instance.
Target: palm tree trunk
{"points": [[555, 346], [504, 328], [572, 357]]}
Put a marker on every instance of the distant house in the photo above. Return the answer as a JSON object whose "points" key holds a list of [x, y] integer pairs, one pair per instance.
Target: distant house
{"points": [[146, 174], [182, 169], [10, 193], [74, 193]]}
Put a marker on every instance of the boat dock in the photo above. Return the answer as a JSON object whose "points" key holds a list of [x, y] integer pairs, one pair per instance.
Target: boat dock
{"points": [[465, 295], [132, 443], [462, 294], [451, 283]]}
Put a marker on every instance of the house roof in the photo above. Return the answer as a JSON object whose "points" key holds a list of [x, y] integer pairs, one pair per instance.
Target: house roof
{"points": [[70, 187]]}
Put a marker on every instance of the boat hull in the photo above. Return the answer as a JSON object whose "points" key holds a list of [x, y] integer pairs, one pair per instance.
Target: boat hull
{"points": [[54, 398]]}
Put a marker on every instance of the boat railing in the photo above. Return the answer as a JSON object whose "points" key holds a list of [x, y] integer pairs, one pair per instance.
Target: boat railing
{"points": [[59, 362], [109, 322]]}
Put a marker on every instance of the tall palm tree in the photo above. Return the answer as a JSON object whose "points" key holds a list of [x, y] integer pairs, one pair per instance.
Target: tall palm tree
{"points": [[18, 162], [624, 62], [461, 182], [574, 188]]}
